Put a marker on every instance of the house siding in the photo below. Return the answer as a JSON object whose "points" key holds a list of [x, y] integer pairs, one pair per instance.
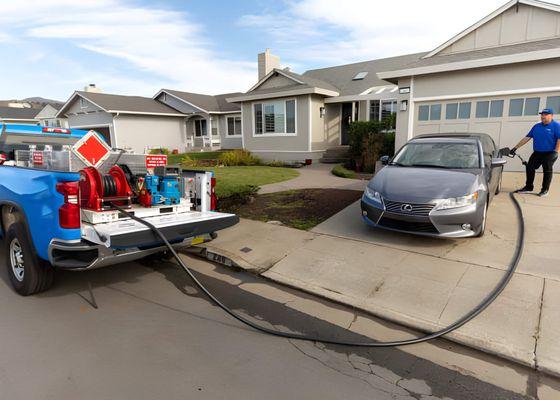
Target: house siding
{"points": [[141, 132], [527, 79], [283, 148], [228, 142], [511, 27]]}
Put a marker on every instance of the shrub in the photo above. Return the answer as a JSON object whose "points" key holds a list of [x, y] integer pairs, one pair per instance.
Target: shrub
{"points": [[187, 161], [161, 150], [370, 140], [339, 170], [276, 163], [239, 157]]}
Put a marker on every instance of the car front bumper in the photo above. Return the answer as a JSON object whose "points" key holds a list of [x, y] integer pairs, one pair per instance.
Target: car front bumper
{"points": [[452, 223]]}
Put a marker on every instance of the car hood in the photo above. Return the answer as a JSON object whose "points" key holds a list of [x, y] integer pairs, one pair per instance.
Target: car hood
{"points": [[424, 184]]}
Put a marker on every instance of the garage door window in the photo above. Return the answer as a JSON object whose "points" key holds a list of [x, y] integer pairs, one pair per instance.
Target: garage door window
{"points": [[554, 103], [496, 108], [423, 113], [451, 110], [432, 112], [464, 110], [532, 106], [435, 112], [482, 109], [492, 109], [516, 107]]}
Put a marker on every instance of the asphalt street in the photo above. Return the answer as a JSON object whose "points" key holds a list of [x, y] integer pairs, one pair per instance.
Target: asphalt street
{"points": [[153, 336]]}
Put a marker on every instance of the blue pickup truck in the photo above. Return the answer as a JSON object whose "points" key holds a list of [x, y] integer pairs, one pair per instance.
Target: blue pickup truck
{"points": [[56, 210]]}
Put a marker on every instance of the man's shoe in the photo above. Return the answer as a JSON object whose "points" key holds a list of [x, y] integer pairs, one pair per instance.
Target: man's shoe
{"points": [[524, 190], [543, 193]]}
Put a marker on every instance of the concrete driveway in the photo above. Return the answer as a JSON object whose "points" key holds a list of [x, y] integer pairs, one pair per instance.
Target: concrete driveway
{"points": [[426, 283]]}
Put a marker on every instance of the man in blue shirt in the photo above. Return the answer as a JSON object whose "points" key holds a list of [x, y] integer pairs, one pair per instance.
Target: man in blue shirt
{"points": [[546, 144]]}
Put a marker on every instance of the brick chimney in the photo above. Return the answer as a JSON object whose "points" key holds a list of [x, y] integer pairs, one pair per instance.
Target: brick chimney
{"points": [[267, 62]]}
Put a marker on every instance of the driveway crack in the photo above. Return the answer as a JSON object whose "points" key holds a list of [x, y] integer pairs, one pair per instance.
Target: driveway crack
{"points": [[537, 333]]}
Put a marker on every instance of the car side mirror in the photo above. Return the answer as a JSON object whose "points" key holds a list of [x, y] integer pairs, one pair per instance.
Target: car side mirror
{"points": [[384, 160], [498, 162]]}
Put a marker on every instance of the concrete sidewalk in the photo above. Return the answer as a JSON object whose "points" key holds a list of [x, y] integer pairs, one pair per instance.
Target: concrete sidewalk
{"points": [[315, 176], [425, 283]]}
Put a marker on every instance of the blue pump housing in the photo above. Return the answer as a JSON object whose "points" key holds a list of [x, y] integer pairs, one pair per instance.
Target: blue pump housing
{"points": [[164, 189]]}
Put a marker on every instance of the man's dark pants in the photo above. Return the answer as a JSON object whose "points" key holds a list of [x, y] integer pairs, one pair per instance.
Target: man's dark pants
{"points": [[547, 160]]}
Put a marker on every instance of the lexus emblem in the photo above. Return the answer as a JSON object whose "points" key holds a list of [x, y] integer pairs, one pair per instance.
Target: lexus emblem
{"points": [[406, 208]]}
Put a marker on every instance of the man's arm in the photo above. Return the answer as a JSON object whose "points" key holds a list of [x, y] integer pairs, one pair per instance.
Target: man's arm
{"points": [[558, 146], [524, 141]]}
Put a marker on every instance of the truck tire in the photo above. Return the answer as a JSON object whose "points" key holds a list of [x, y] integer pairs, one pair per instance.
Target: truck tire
{"points": [[28, 273]]}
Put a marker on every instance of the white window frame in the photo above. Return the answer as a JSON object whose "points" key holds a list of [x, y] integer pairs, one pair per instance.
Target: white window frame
{"points": [[194, 128], [240, 127], [83, 103], [275, 134]]}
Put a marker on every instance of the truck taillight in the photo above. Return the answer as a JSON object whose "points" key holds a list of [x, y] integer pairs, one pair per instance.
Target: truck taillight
{"points": [[56, 130], [69, 212], [213, 198]]}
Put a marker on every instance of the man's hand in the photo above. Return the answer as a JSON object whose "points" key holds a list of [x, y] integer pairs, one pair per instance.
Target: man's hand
{"points": [[512, 151]]}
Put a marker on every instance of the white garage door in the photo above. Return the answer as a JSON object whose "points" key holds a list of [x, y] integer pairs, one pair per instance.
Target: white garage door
{"points": [[507, 118]]}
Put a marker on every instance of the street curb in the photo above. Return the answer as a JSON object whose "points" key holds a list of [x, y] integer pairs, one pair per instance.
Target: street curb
{"points": [[230, 260]]}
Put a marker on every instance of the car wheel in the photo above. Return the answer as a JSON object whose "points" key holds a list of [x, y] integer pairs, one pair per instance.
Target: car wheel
{"points": [[483, 223], [28, 273]]}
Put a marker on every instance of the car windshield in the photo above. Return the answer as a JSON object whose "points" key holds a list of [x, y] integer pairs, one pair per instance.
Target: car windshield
{"points": [[438, 155]]}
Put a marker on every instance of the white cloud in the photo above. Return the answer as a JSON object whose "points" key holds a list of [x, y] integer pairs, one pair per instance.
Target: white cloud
{"points": [[162, 42], [330, 32]]}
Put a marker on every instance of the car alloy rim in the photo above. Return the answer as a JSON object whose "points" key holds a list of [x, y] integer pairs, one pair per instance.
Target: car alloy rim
{"points": [[16, 260]]}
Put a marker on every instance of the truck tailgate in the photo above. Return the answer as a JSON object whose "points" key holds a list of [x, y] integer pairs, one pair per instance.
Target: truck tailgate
{"points": [[176, 227]]}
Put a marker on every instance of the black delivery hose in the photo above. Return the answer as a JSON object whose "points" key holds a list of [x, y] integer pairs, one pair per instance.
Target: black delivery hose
{"points": [[457, 324]]}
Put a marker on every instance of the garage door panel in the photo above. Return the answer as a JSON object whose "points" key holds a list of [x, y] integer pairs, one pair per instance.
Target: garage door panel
{"points": [[464, 127], [493, 129], [426, 128]]}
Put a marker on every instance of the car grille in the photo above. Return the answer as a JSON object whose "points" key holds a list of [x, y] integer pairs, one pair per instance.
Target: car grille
{"points": [[415, 209], [410, 226]]}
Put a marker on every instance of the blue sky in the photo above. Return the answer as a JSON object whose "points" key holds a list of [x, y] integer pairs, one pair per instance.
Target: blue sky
{"points": [[50, 48]]}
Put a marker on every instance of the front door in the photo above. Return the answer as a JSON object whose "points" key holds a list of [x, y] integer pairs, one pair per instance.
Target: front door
{"points": [[345, 123]]}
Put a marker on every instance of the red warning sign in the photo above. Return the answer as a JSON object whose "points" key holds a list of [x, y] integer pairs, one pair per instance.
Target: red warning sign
{"points": [[156, 160], [92, 149], [37, 158]]}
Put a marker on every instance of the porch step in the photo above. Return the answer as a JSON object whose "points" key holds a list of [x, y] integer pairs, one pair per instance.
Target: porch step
{"points": [[336, 155]]}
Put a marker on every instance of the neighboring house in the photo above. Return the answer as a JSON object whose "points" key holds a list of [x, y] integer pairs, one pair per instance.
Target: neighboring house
{"points": [[295, 117], [130, 122], [19, 115], [212, 122], [47, 116], [493, 77]]}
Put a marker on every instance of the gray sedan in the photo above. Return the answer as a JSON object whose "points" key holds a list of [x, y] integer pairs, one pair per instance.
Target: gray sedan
{"points": [[436, 185]]}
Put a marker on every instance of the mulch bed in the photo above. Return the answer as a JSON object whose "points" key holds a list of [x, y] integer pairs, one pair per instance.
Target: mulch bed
{"points": [[301, 209]]}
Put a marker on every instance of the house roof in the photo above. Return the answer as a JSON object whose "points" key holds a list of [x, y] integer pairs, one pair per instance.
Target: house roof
{"points": [[528, 51], [207, 103], [332, 81], [113, 103], [301, 85], [342, 76], [16, 113]]}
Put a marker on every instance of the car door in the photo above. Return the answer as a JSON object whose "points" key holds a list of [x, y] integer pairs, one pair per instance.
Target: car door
{"points": [[493, 174]]}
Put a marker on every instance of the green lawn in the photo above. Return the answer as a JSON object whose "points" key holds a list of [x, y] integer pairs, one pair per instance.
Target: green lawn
{"points": [[197, 155], [241, 180]]}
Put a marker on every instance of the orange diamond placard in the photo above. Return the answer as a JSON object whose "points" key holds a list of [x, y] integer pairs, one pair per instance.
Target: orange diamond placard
{"points": [[92, 149]]}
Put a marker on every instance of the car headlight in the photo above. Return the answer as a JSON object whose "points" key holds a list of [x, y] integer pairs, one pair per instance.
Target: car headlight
{"points": [[456, 202], [373, 195]]}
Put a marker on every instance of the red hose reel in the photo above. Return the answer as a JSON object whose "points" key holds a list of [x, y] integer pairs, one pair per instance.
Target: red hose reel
{"points": [[98, 192]]}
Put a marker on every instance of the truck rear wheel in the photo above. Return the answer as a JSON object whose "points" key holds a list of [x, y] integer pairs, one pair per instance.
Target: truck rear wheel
{"points": [[28, 273]]}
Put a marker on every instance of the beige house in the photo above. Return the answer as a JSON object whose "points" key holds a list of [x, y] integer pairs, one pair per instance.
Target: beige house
{"points": [[128, 122], [48, 116], [296, 117], [211, 122], [493, 77]]}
